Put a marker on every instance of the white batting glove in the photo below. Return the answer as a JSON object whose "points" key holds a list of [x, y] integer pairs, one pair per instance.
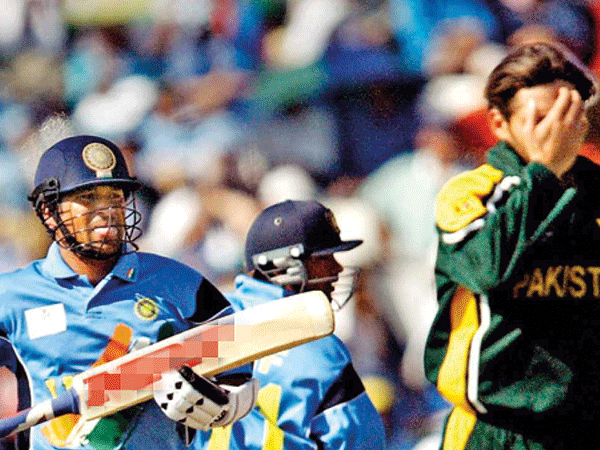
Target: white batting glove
{"points": [[194, 401]]}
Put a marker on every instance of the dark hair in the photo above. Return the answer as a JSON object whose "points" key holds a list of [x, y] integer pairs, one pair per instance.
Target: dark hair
{"points": [[534, 64]]}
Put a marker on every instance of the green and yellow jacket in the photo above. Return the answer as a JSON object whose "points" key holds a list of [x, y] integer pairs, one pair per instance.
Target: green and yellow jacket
{"points": [[516, 341]]}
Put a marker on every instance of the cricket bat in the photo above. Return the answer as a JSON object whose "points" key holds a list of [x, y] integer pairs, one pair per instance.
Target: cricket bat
{"points": [[210, 348]]}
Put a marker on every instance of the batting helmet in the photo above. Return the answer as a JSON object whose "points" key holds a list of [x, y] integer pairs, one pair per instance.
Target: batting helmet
{"points": [[78, 163], [286, 234]]}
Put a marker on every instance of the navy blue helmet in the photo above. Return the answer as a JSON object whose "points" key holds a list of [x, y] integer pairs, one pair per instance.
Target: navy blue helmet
{"points": [[75, 164], [286, 234]]}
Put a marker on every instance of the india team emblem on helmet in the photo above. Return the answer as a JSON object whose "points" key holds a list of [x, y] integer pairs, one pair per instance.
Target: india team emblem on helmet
{"points": [[99, 158], [146, 308]]}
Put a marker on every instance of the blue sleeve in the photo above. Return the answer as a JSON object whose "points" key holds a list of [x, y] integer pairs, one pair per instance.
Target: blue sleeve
{"points": [[346, 418]]}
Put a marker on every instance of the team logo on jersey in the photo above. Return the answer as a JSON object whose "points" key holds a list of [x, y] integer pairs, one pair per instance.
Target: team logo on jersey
{"points": [[100, 159], [146, 308]]}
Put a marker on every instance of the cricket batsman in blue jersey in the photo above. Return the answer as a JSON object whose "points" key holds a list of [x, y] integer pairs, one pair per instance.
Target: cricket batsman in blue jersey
{"points": [[311, 397], [94, 298]]}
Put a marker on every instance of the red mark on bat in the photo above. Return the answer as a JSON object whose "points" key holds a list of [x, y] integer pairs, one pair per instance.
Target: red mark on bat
{"points": [[140, 373]]}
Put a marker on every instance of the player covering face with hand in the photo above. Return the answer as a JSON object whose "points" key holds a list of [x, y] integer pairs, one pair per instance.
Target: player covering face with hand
{"points": [[515, 343], [94, 298], [311, 396]]}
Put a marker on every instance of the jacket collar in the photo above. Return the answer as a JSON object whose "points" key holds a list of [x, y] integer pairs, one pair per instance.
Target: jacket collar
{"points": [[503, 156], [268, 290], [55, 266]]}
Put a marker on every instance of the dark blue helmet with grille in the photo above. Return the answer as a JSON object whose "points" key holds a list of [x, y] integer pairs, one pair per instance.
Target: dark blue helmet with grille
{"points": [[79, 163]]}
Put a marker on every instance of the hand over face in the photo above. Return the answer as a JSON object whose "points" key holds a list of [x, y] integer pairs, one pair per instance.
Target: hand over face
{"points": [[548, 125]]}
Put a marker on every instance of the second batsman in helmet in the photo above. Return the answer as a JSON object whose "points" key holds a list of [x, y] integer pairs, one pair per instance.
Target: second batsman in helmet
{"points": [[312, 396]]}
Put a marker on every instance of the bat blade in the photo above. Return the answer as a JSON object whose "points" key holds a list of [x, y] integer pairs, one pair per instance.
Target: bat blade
{"points": [[210, 348]]}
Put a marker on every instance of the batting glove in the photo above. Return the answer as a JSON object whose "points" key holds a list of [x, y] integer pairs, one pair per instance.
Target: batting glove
{"points": [[194, 401]]}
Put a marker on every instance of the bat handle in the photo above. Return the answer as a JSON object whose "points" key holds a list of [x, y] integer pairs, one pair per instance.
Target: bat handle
{"points": [[65, 404]]}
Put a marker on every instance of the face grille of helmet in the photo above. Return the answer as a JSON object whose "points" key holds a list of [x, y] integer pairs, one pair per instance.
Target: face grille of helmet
{"points": [[128, 232], [47, 197], [286, 267]]}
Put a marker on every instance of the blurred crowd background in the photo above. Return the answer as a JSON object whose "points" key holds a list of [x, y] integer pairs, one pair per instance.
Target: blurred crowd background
{"points": [[224, 107]]}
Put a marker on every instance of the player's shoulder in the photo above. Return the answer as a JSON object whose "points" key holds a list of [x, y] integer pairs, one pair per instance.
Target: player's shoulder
{"points": [[20, 284], [250, 292], [20, 277], [462, 198], [165, 267]]}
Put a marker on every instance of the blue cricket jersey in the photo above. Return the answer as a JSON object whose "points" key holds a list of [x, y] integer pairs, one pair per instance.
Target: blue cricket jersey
{"points": [[310, 397], [60, 325]]}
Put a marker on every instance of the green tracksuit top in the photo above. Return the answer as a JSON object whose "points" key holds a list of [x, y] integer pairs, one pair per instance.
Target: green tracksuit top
{"points": [[516, 341]]}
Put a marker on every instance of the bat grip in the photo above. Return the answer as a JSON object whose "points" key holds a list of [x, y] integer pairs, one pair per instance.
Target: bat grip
{"points": [[213, 391], [65, 404]]}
